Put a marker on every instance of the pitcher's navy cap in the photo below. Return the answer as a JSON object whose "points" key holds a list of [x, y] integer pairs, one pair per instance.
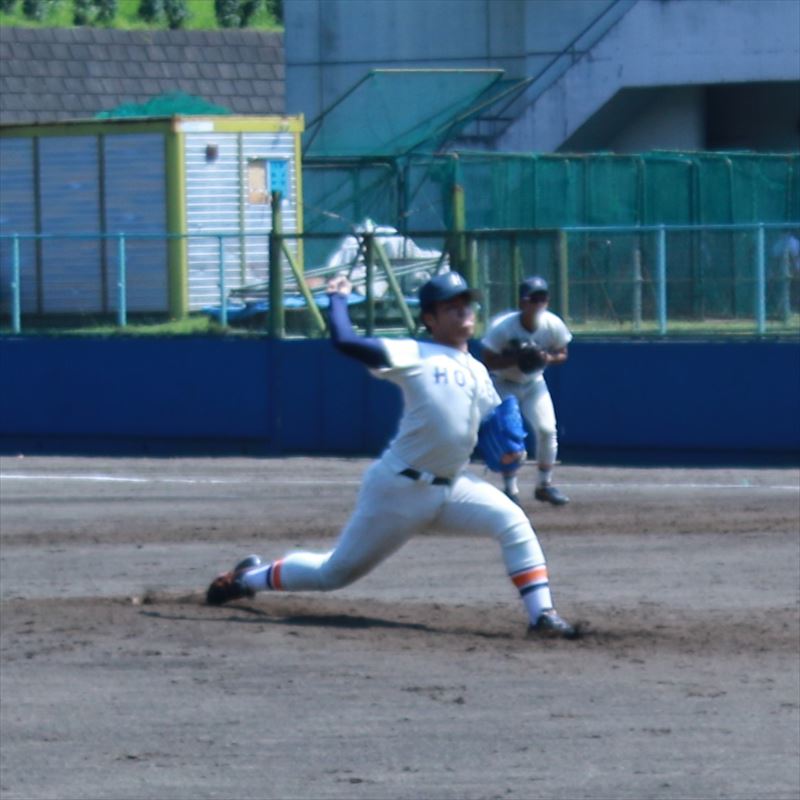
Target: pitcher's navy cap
{"points": [[533, 285], [444, 287]]}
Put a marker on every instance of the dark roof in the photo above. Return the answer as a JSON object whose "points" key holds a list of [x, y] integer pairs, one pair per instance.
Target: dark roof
{"points": [[49, 74]]}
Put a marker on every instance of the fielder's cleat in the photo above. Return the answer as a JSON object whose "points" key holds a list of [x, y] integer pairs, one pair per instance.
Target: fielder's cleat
{"points": [[513, 497], [552, 626], [229, 585], [549, 494]]}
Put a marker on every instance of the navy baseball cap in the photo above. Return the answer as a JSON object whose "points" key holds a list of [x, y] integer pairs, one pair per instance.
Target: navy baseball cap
{"points": [[444, 287], [533, 285]]}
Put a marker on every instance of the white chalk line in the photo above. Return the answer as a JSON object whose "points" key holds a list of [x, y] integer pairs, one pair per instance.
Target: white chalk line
{"points": [[588, 485], [701, 486], [110, 479]]}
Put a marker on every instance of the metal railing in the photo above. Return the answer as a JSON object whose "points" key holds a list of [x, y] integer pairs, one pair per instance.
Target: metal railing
{"points": [[651, 280], [713, 274], [286, 284], [15, 284]]}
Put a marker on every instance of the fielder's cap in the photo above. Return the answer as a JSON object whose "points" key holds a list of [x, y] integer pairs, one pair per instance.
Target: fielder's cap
{"points": [[533, 285], [444, 287]]}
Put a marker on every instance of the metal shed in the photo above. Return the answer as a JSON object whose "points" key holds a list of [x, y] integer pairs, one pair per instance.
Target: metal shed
{"points": [[177, 189]]}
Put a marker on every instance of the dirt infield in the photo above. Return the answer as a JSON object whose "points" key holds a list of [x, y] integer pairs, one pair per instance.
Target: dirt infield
{"points": [[416, 682]]}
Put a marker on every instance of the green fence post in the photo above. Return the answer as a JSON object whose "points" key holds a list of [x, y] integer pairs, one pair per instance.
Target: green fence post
{"points": [[786, 288], [637, 289], [661, 279], [369, 259], [458, 256], [473, 270], [16, 304], [516, 270], [761, 294], [122, 280], [223, 290], [471, 256], [277, 326], [408, 319], [563, 274], [313, 310]]}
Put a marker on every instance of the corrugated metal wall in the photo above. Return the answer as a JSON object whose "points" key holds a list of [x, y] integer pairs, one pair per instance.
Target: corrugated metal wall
{"points": [[136, 203], [72, 276], [217, 202], [17, 215], [89, 185]]}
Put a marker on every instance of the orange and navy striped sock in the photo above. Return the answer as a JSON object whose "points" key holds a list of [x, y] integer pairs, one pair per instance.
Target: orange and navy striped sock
{"points": [[534, 588], [264, 578], [273, 576]]}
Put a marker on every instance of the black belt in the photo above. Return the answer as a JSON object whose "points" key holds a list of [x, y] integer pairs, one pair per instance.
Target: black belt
{"points": [[415, 475]]}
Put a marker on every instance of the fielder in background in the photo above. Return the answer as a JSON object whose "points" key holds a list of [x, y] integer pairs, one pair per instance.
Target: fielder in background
{"points": [[517, 348], [421, 481]]}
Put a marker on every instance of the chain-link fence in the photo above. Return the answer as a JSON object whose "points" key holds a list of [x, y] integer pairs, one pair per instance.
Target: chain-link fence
{"points": [[630, 281], [654, 279]]}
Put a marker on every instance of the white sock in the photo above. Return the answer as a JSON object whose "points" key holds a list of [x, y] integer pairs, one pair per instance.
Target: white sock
{"points": [[511, 483], [537, 601], [545, 476]]}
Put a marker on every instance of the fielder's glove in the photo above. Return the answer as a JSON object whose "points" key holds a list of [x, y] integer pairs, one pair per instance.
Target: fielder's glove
{"points": [[530, 357], [501, 437]]}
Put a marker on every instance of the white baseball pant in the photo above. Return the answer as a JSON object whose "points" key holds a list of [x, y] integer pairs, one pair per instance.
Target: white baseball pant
{"points": [[391, 508]]}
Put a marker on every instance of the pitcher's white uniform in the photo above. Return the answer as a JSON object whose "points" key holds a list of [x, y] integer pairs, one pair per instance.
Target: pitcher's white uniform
{"points": [[531, 389], [447, 393], [421, 480]]}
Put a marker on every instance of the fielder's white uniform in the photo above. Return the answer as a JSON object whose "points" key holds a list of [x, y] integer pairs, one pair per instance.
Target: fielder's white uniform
{"points": [[530, 389], [446, 393]]}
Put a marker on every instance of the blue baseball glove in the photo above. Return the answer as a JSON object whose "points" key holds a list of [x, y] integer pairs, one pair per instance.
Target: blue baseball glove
{"points": [[501, 437]]}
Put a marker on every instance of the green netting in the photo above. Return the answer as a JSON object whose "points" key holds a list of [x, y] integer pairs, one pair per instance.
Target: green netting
{"points": [[344, 196], [172, 104], [604, 207], [521, 200], [391, 112], [552, 191]]}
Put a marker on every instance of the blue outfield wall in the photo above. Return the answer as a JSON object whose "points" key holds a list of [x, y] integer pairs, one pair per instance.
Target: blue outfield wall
{"points": [[727, 396], [214, 395]]}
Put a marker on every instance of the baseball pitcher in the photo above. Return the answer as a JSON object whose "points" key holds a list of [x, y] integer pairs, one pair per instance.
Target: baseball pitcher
{"points": [[420, 481]]}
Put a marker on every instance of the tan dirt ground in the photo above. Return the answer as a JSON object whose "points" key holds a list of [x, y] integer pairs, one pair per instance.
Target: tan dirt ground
{"points": [[416, 682]]}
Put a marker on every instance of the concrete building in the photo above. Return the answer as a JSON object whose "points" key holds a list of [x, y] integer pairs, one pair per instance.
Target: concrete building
{"points": [[621, 75]]}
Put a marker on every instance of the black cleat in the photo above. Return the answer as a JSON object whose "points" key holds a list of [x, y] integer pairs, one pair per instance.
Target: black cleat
{"points": [[513, 497], [229, 586], [549, 494], [552, 626]]}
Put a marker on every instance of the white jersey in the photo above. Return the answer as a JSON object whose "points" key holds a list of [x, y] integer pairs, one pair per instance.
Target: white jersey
{"points": [[446, 393], [551, 334]]}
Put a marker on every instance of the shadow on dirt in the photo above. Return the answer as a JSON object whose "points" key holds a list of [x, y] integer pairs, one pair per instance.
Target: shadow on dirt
{"points": [[342, 621]]}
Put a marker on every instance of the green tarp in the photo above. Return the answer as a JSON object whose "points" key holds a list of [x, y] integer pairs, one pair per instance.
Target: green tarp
{"points": [[174, 104]]}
